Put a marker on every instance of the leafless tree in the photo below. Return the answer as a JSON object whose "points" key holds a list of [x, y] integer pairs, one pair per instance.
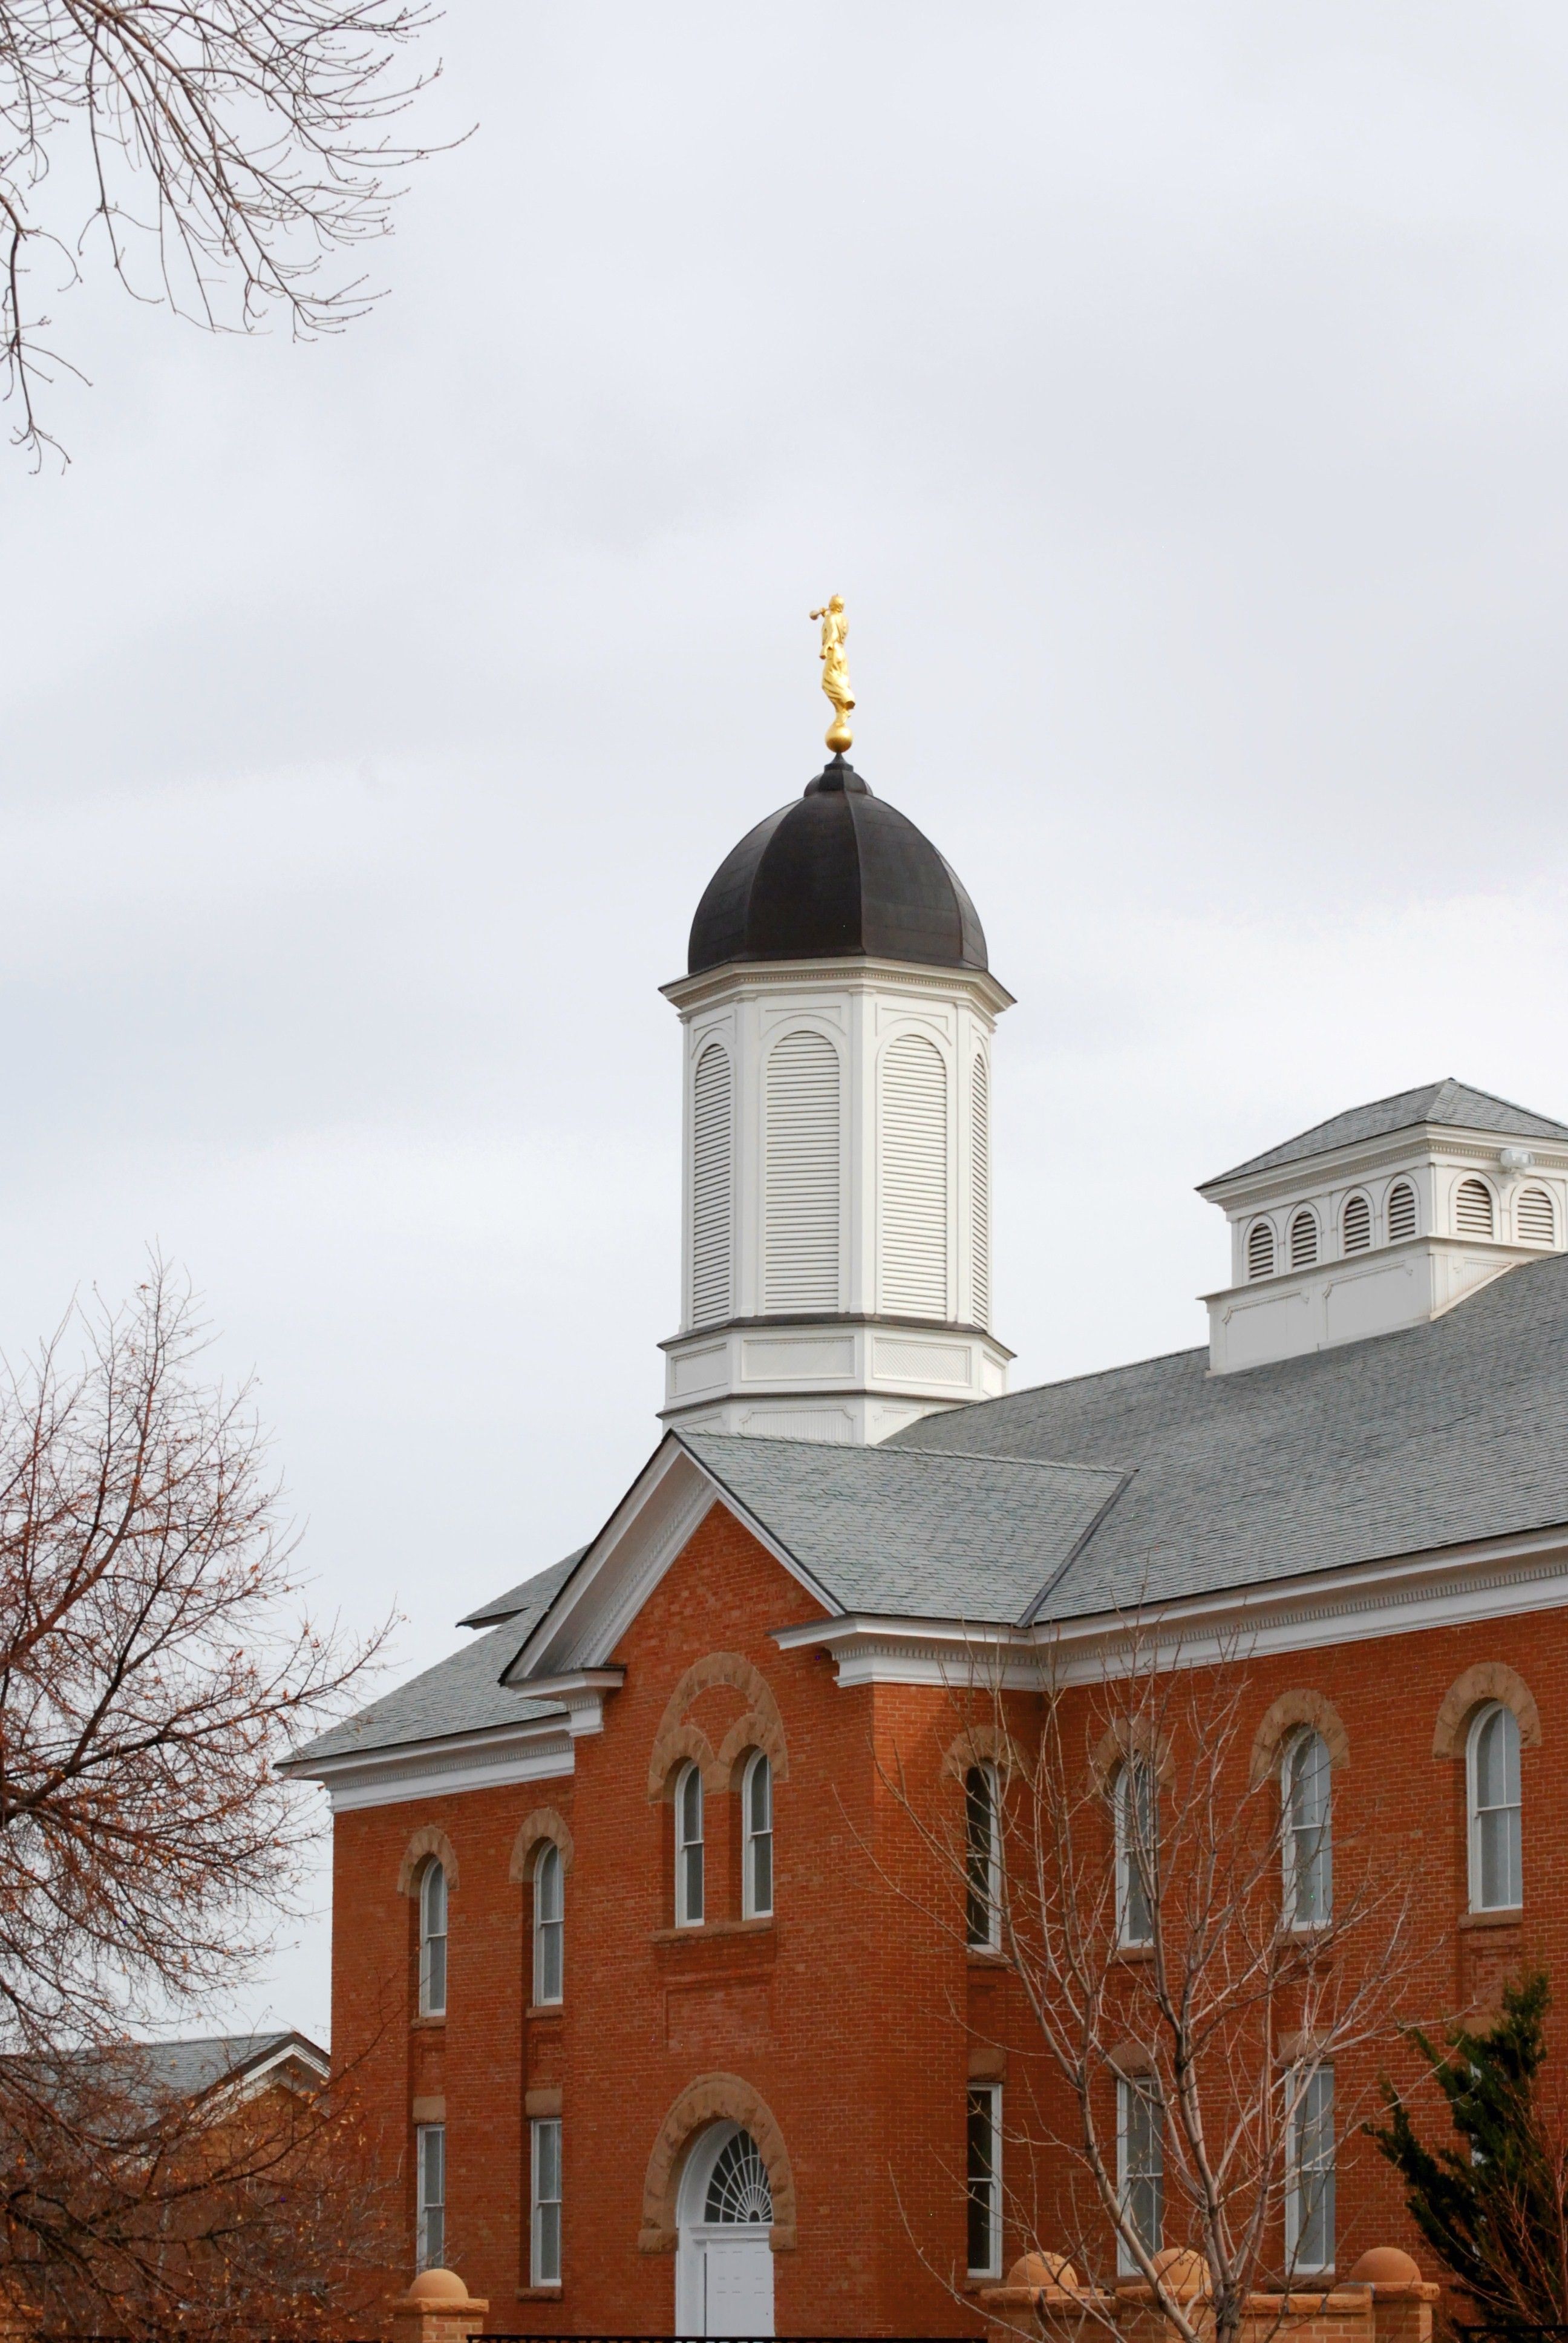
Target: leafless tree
{"points": [[1187, 1965], [152, 1667], [219, 153]]}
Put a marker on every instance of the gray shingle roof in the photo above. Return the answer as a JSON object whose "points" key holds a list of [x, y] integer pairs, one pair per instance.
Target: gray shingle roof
{"points": [[898, 1531], [189, 2068], [1429, 1437], [530, 1601], [460, 1694], [1454, 1104]]}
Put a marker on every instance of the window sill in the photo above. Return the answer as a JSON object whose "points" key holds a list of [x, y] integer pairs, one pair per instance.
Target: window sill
{"points": [[536, 2009], [986, 1956], [707, 1928], [427, 2025], [540, 2293], [1136, 1953], [972, 2280], [1507, 1915]]}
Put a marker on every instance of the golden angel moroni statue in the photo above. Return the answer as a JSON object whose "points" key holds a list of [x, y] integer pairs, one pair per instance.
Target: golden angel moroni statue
{"points": [[836, 672]]}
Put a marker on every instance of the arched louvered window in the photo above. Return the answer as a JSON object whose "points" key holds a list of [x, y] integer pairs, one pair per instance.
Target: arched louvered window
{"points": [[712, 1118], [1400, 1212], [1534, 1218], [914, 1179], [980, 1146], [800, 1231], [1472, 1209], [1355, 1224], [1259, 1250], [1303, 1240]]}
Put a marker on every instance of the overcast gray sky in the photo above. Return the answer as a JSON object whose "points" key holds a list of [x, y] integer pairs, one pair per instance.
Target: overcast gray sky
{"points": [[1178, 395]]}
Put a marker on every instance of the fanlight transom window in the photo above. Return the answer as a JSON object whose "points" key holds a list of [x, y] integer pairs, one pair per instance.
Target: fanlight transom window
{"points": [[1303, 1240], [1259, 1250], [1472, 1215], [738, 2189]]}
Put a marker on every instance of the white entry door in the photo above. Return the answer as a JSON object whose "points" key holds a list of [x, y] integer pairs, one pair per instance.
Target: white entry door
{"points": [[724, 2267], [738, 2271]]}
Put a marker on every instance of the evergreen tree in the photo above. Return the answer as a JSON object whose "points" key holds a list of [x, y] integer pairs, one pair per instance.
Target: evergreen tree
{"points": [[1493, 2207]]}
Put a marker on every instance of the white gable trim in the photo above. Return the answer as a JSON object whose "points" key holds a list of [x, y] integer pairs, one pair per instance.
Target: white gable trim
{"points": [[538, 1751], [646, 1534], [1502, 1578]]}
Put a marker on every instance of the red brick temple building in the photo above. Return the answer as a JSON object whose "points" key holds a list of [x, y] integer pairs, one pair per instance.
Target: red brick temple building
{"points": [[634, 1951]]}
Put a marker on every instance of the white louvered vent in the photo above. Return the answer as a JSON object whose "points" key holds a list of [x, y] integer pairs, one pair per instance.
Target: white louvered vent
{"points": [[1303, 1240], [1400, 1212], [800, 1231], [914, 1180], [711, 1118], [1259, 1250], [1534, 1218], [1472, 1209], [1356, 1224], [980, 1140]]}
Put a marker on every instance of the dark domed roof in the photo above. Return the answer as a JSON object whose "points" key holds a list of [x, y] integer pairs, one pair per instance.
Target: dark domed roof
{"points": [[836, 872]]}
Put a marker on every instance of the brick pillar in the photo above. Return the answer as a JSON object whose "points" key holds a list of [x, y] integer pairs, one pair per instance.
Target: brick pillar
{"points": [[1400, 2303], [436, 2309]]}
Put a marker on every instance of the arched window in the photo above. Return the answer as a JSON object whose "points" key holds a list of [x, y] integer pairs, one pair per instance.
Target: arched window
{"points": [[433, 1942], [1304, 1239], [983, 1858], [1534, 1218], [549, 1923], [1496, 1868], [1259, 1250], [739, 2190], [913, 1187], [1355, 1224], [800, 1212], [757, 1813], [1136, 1854], [1305, 1821], [712, 1116], [980, 1154], [688, 1848], [1472, 1209], [1400, 1212]]}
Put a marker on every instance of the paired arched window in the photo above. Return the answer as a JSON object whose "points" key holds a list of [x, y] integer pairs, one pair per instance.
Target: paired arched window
{"points": [[1305, 1815], [1136, 1853], [1534, 1218], [1492, 1761], [1259, 1250], [1355, 1224], [689, 1881], [1400, 1212], [1304, 1239], [757, 1832], [549, 1923], [982, 1859], [433, 1941], [1473, 1213]]}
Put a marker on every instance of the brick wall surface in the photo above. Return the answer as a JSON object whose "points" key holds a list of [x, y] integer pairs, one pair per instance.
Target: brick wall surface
{"points": [[856, 2016]]}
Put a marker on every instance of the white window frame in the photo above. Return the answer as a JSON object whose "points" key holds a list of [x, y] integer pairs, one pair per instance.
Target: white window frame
{"points": [[544, 2234], [984, 2098], [1140, 2091], [1475, 1812], [432, 1971], [1128, 1876], [982, 1863], [549, 1928], [1310, 2089], [1291, 1833], [757, 1844], [431, 2204], [688, 1778]]}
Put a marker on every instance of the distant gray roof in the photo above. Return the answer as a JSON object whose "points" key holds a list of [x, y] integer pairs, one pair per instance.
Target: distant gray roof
{"points": [[893, 1531], [190, 2069], [1429, 1437], [1450, 1102], [460, 1694], [530, 1601]]}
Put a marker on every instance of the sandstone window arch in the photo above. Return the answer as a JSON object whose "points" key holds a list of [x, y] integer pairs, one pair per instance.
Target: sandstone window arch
{"points": [[714, 2098], [1286, 1716], [1488, 1680], [1126, 1737], [429, 1840], [982, 1745], [680, 1737], [542, 1824]]}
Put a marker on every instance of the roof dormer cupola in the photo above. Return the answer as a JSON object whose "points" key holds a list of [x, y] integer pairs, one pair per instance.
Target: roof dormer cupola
{"points": [[1382, 1217]]}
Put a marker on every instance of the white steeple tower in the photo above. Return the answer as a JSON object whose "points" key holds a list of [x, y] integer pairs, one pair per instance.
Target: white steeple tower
{"points": [[836, 1016]]}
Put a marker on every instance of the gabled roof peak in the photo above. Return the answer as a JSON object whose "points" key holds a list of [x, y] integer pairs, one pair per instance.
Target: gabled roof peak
{"points": [[1452, 1104]]}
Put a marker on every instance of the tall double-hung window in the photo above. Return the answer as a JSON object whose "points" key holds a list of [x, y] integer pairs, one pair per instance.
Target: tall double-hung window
{"points": [[1310, 2174], [1496, 1853], [1306, 1823]]}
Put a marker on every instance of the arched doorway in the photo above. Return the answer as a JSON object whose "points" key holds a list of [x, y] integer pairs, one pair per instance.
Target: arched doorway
{"points": [[724, 2260]]}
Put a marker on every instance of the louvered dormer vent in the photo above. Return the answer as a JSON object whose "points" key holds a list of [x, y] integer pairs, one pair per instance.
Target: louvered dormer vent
{"points": [[1356, 1224], [1303, 1240], [1472, 1209], [1400, 1212], [801, 1242], [711, 1179], [1259, 1250], [1534, 1218]]}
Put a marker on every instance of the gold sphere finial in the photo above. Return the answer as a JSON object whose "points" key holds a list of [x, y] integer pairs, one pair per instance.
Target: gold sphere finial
{"points": [[836, 672]]}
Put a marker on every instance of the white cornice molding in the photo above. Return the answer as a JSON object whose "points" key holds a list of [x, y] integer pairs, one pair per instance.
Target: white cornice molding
{"points": [[1370, 1158], [1501, 1578], [856, 974], [535, 1749]]}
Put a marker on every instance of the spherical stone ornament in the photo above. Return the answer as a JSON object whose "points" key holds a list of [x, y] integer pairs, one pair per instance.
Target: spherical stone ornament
{"points": [[438, 2285], [1384, 2265]]}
